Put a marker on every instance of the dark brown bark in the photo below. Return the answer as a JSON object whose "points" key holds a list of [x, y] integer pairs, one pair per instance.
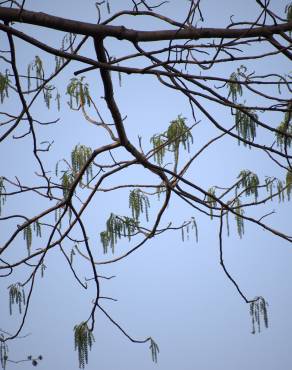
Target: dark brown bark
{"points": [[120, 32]]}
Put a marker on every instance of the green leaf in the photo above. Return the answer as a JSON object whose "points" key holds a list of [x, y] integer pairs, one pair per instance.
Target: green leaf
{"points": [[4, 85], [16, 296], [3, 352], [289, 183], [154, 350], [178, 133], [116, 228], [245, 122], [27, 235], [249, 181], [78, 92], [238, 217], [235, 88], [2, 196], [139, 203], [211, 201], [79, 157], [284, 137], [83, 339], [258, 312]]}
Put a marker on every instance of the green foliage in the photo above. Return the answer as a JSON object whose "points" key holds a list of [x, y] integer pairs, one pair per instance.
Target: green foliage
{"points": [[289, 183], [159, 146], [238, 217], [58, 213], [234, 87], [246, 124], [27, 235], [285, 129], [83, 340], [178, 133], [79, 157], [192, 225], [269, 185], [67, 181], [68, 41], [211, 201], [249, 181], [58, 100], [78, 92], [16, 296], [35, 66], [280, 190], [139, 203], [227, 223], [59, 61], [37, 228], [47, 93], [160, 190], [43, 267], [2, 196], [116, 228], [154, 350], [258, 313], [4, 84], [272, 183], [72, 254], [3, 352]]}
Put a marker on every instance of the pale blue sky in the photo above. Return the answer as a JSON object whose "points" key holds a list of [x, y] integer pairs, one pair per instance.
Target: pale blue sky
{"points": [[173, 291]]}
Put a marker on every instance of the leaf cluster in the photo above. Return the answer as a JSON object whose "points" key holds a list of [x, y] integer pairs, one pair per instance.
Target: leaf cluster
{"points": [[258, 313], [192, 225], [210, 200], [16, 296], [38, 76], [2, 196], [178, 133], [234, 87], [154, 350], [3, 352], [245, 123], [289, 183], [249, 181], [139, 203], [79, 157], [238, 217], [116, 228], [83, 340], [78, 92], [4, 84], [37, 67], [27, 234], [284, 137]]}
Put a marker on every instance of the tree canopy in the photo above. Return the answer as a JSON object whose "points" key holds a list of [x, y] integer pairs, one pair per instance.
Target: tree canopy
{"points": [[86, 79]]}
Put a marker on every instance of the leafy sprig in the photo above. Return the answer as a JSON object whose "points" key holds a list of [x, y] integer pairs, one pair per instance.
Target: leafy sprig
{"points": [[83, 340], [116, 228], [16, 296]]}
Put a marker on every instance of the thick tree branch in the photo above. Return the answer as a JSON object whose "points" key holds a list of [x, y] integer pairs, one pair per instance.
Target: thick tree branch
{"points": [[123, 33]]}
